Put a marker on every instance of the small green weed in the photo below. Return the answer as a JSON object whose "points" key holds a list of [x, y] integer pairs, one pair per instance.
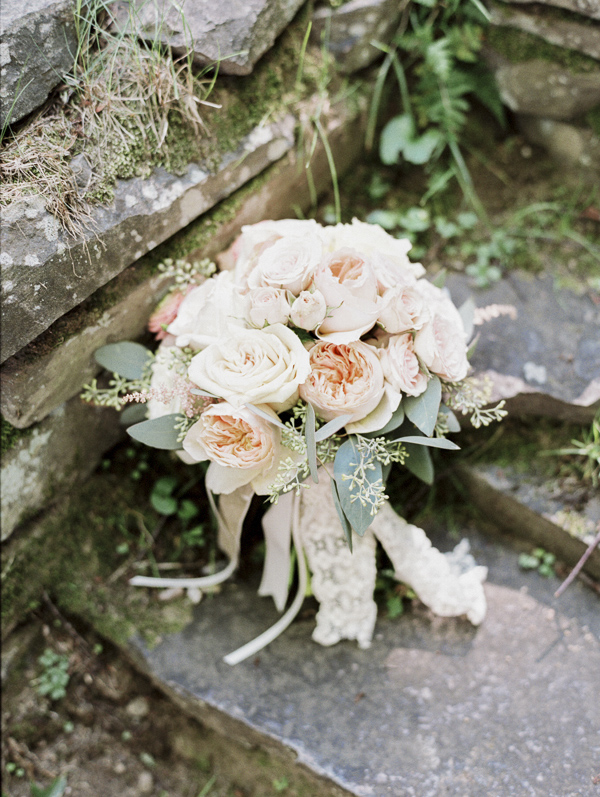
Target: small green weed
{"points": [[586, 453], [55, 676], [539, 560], [55, 789], [281, 784]]}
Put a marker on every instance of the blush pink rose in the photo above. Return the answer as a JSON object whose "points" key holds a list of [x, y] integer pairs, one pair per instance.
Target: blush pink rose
{"points": [[344, 378], [403, 308], [267, 306], [308, 310], [401, 366], [241, 446], [349, 287]]}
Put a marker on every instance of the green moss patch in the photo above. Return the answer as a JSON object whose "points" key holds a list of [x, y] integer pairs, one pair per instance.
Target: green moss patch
{"points": [[517, 46]]}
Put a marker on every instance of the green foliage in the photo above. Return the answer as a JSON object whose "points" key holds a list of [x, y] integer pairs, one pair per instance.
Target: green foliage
{"points": [[436, 64], [585, 453], [54, 678], [127, 359], [539, 560], [55, 789], [163, 432]]}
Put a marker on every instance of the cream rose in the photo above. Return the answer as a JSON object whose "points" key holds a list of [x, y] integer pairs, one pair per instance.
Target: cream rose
{"points": [[207, 313], [266, 306], [403, 308], [388, 254], [344, 378], [241, 446], [349, 287], [289, 263], [308, 310], [401, 366], [253, 366]]}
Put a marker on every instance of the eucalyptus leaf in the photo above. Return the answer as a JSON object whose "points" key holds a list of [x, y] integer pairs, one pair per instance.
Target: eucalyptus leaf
{"points": [[311, 446], [394, 422], [451, 419], [332, 427], [134, 413], [197, 392], [423, 410], [419, 462], [126, 358], [264, 415], [164, 504], [467, 314], [346, 462], [343, 519], [158, 433], [431, 442]]}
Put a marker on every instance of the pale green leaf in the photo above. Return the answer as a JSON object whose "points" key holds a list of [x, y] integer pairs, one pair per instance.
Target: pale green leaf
{"points": [[134, 413], [467, 314], [422, 410], [451, 419], [346, 461], [311, 446], [126, 359], [420, 150], [394, 422], [419, 462], [157, 433], [432, 442], [394, 137], [343, 519], [332, 427]]}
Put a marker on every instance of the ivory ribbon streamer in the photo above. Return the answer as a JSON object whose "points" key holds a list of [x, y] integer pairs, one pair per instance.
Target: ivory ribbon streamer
{"points": [[253, 647], [277, 526], [230, 519]]}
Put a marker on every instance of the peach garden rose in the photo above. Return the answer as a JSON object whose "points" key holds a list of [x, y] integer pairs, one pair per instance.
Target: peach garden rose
{"points": [[344, 378]]}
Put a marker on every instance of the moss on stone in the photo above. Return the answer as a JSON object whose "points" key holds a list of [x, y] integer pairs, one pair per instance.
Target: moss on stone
{"points": [[71, 553], [11, 435], [517, 46]]}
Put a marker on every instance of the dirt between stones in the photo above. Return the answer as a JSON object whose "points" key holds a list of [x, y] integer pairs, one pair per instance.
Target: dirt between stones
{"points": [[113, 734]]}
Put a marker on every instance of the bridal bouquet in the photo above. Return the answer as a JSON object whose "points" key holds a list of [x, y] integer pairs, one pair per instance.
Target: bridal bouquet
{"points": [[311, 363]]}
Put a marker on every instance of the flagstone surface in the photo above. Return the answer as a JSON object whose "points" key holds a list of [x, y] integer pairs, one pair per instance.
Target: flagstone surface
{"points": [[434, 707]]}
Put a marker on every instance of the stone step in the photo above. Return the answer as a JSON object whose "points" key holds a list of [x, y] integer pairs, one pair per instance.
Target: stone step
{"points": [[46, 274], [54, 367], [535, 509], [435, 706], [546, 360]]}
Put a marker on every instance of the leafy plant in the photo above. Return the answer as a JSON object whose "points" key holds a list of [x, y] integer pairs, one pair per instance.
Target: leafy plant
{"points": [[55, 789], [55, 677], [587, 452], [434, 57], [539, 560]]}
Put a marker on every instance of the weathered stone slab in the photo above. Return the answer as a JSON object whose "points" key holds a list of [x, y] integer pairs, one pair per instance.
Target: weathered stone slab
{"points": [[561, 32], [588, 8], [350, 30], [568, 144], [45, 274], [434, 707], [60, 452], [53, 368], [524, 505], [235, 34], [37, 48], [541, 88], [547, 360]]}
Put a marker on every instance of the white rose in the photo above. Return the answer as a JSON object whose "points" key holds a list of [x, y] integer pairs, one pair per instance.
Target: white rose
{"points": [[345, 378], [254, 238], [241, 446], [401, 366], [253, 366], [403, 308], [388, 254], [289, 263], [208, 313], [349, 288], [308, 310], [441, 343], [265, 306]]}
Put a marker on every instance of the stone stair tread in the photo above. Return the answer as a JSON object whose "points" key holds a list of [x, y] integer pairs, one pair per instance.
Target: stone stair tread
{"points": [[546, 361], [434, 706], [527, 507]]}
